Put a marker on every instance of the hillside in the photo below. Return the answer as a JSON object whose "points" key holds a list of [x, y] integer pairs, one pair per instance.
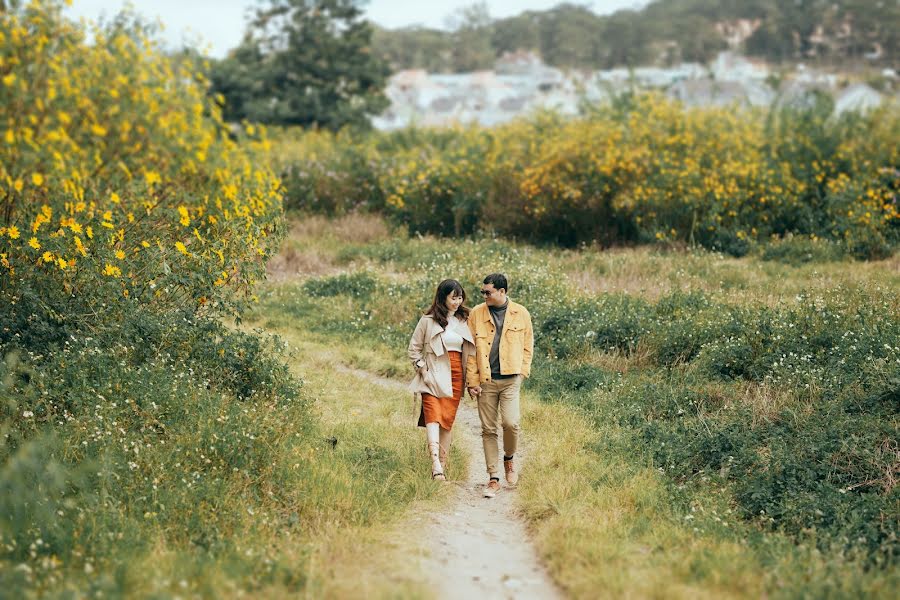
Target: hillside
{"points": [[663, 32]]}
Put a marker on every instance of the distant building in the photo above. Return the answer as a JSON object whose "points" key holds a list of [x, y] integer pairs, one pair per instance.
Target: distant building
{"points": [[521, 83]]}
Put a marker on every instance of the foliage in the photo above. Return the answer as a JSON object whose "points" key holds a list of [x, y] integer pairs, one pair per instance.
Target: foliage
{"points": [[306, 63], [359, 285], [643, 169], [788, 410], [130, 225], [666, 31], [116, 180], [796, 250]]}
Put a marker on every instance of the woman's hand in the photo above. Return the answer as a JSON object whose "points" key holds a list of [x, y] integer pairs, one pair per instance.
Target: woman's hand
{"points": [[474, 391]]}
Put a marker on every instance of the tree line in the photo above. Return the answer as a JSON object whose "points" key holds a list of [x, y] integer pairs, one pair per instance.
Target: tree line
{"points": [[320, 63], [664, 32]]}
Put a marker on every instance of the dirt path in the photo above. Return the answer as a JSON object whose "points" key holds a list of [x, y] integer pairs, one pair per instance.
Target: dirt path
{"points": [[479, 546]]}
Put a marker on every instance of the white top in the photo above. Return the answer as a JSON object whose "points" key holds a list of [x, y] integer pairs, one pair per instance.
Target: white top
{"points": [[453, 339]]}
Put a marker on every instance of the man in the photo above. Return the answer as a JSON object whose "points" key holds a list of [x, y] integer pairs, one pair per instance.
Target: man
{"points": [[504, 344]]}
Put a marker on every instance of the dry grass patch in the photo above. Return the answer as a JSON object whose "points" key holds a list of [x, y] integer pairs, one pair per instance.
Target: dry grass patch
{"points": [[291, 263], [651, 273], [766, 402], [352, 228], [616, 361]]}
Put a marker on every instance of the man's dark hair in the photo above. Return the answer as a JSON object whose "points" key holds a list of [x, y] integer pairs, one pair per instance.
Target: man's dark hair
{"points": [[498, 280]]}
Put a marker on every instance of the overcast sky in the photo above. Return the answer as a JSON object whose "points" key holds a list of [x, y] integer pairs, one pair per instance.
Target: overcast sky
{"points": [[220, 23]]}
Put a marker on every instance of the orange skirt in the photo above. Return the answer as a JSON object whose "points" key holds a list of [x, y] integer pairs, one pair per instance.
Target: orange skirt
{"points": [[443, 410]]}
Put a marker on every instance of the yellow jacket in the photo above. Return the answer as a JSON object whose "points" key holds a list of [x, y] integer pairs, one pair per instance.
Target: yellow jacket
{"points": [[516, 343]]}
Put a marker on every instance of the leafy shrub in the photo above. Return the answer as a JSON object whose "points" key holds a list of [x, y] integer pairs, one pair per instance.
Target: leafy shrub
{"points": [[819, 475], [329, 173], [557, 379], [357, 284], [128, 186], [612, 322], [130, 225], [645, 170], [115, 430], [798, 250]]}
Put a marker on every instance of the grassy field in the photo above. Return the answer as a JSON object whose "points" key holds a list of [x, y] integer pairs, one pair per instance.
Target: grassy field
{"points": [[271, 494], [705, 427]]}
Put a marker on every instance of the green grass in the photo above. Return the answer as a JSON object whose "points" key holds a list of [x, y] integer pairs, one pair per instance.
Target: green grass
{"points": [[193, 491], [632, 492]]}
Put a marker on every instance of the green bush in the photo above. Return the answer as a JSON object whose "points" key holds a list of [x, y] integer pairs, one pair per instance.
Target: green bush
{"points": [[798, 250], [139, 430], [647, 170], [358, 284], [613, 322]]}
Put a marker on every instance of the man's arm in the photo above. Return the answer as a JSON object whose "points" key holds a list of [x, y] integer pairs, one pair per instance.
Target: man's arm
{"points": [[528, 350], [473, 378]]}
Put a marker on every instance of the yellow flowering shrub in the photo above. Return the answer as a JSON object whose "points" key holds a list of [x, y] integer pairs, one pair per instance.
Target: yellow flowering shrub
{"points": [[117, 176], [643, 169]]}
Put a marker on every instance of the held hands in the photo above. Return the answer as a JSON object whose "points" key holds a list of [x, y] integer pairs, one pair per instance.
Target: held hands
{"points": [[474, 391]]}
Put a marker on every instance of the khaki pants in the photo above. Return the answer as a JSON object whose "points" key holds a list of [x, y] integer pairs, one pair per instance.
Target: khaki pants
{"points": [[498, 406]]}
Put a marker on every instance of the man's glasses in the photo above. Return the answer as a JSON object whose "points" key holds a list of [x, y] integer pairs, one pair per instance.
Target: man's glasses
{"points": [[487, 292]]}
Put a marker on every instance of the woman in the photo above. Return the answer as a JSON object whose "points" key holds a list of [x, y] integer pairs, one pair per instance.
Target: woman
{"points": [[439, 348]]}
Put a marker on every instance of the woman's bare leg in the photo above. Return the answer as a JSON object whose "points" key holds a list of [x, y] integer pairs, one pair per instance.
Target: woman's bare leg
{"points": [[446, 438], [432, 433]]}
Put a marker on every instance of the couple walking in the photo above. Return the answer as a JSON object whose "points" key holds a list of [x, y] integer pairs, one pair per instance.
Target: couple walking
{"points": [[487, 349]]}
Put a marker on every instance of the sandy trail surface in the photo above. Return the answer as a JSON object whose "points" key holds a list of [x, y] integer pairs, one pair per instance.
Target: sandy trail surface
{"points": [[477, 547]]}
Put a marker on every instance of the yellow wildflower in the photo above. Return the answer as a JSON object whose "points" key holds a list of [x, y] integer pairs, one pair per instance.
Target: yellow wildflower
{"points": [[181, 248], [152, 177], [112, 271], [13, 233], [120, 255], [37, 179], [34, 243], [47, 257]]}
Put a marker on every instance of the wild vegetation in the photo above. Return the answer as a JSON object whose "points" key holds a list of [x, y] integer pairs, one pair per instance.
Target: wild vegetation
{"points": [[147, 448], [707, 424], [643, 169], [710, 420]]}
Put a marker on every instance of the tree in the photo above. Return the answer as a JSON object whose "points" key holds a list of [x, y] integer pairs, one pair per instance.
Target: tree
{"points": [[304, 62], [568, 34], [521, 32], [415, 48], [472, 27]]}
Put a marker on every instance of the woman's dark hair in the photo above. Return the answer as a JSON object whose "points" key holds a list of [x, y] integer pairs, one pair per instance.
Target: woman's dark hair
{"points": [[438, 309], [498, 280]]}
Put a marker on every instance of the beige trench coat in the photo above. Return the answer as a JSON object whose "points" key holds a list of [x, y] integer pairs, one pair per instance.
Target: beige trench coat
{"points": [[435, 377]]}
